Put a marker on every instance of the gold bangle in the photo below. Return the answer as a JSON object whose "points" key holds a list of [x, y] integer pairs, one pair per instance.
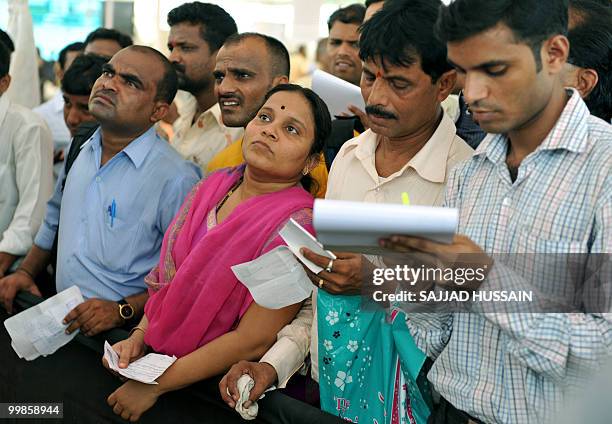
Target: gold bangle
{"points": [[134, 329]]}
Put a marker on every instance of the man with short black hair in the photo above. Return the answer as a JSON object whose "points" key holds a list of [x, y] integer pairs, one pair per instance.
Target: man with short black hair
{"points": [[242, 80], [120, 194], [411, 147], [77, 83], [589, 65], [343, 42], [52, 111], [106, 42], [26, 150], [522, 192], [197, 32]]}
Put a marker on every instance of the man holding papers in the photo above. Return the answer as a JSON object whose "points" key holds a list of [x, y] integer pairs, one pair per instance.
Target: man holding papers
{"points": [[120, 195], [540, 183], [411, 147]]}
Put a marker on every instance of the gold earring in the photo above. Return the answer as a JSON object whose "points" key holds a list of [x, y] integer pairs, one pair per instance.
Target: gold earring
{"points": [[305, 171]]}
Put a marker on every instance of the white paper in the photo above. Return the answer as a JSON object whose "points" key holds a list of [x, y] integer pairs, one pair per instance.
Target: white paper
{"points": [[146, 369], [358, 226], [297, 237], [39, 330], [336, 93], [275, 279]]}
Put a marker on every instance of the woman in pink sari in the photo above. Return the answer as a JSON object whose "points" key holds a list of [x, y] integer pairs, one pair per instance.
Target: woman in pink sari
{"points": [[197, 309]]}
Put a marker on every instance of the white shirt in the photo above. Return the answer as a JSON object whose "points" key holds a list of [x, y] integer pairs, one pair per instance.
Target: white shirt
{"points": [[353, 176], [26, 160], [207, 136], [52, 111]]}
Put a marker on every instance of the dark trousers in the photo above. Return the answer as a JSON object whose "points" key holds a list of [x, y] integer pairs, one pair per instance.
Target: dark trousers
{"points": [[446, 413]]}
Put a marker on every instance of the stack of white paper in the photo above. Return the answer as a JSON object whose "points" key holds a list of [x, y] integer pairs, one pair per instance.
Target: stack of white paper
{"points": [[358, 226], [275, 279], [336, 93], [146, 369], [39, 330], [297, 237]]}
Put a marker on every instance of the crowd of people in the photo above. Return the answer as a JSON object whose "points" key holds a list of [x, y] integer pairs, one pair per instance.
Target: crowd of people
{"points": [[146, 178]]}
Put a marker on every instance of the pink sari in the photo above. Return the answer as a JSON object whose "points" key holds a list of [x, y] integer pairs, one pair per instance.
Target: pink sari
{"points": [[194, 296]]}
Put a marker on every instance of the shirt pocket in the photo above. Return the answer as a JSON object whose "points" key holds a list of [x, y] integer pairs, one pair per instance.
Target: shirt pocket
{"points": [[112, 246]]}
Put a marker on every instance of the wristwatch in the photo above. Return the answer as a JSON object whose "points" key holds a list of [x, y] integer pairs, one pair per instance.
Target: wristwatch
{"points": [[126, 311]]}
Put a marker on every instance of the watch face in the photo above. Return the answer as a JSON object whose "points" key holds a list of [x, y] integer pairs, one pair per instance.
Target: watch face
{"points": [[126, 311]]}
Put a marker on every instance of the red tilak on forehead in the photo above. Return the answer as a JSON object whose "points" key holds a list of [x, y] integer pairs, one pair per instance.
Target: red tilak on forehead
{"points": [[378, 74]]}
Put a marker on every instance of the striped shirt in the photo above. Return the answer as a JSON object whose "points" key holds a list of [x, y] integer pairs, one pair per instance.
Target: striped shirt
{"points": [[516, 368]]}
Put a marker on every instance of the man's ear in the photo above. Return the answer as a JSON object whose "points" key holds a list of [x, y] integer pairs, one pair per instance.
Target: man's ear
{"points": [[554, 53], [446, 83], [586, 80], [5, 82], [280, 79], [160, 109]]}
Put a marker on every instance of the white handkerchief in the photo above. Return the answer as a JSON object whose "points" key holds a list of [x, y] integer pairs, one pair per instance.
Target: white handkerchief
{"points": [[297, 237], [146, 369], [275, 279]]}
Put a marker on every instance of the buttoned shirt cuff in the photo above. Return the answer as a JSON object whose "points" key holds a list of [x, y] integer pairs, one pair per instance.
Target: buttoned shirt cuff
{"points": [[286, 358], [45, 237]]}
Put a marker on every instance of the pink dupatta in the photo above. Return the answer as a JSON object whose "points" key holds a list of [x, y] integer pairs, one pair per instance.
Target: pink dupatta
{"points": [[194, 296]]}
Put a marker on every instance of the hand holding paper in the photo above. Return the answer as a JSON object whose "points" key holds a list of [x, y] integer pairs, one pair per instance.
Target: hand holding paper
{"points": [[146, 369]]}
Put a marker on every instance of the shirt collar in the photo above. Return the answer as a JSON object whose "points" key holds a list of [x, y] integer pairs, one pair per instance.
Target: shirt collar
{"points": [[430, 162], [137, 150], [4, 105], [570, 132]]}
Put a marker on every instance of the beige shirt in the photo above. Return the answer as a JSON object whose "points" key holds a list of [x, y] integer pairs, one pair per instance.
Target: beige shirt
{"points": [[201, 141], [353, 176]]}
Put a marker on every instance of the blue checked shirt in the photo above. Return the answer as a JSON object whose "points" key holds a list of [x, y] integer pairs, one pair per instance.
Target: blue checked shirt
{"points": [[108, 257], [516, 368]]}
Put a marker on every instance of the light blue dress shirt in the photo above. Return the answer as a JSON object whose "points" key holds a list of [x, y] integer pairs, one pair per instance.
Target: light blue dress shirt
{"points": [[108, 257]]}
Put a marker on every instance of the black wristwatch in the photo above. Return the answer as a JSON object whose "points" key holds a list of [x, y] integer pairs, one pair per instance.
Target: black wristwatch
{"points": [[126, 311]]}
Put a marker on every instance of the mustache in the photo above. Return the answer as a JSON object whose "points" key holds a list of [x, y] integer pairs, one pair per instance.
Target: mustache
{"points": [[380, 111], [178, 67]]}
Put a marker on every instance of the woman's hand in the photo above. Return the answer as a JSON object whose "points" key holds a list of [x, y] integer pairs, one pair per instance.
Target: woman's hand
{"points": [[128, 350], [133, 399]]}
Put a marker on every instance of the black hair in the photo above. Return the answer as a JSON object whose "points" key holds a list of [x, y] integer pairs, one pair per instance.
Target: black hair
{"points": [[279, 56], [401, 33], [81, 75], [531, 22], [6, 40], [122, 39], [591, 48], [369, 3], [5, 60], [352, 14], [321, 118], [73, 47], [168, 84], [215, 23]]}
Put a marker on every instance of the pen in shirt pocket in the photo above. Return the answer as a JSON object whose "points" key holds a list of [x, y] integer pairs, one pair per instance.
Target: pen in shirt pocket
{"points": [[112, 212]]}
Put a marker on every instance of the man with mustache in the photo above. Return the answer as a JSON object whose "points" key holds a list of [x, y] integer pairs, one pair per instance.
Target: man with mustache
{"points": [[120, 195], [242, 80], [197, 32], [411, 147]]}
